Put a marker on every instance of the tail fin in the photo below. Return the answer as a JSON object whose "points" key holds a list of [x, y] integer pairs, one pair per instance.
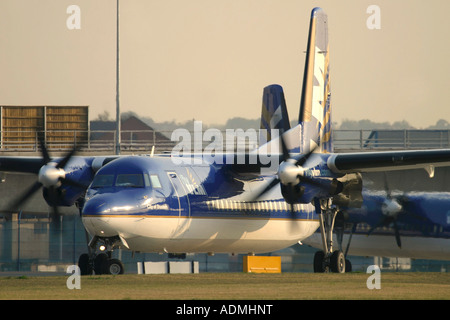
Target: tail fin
{"points": [[273, 113], [315, 106]]}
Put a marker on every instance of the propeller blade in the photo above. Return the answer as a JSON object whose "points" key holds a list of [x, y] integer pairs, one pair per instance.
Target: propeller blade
{"points": [[45, 156], [73, 183], [55, 217], [24, 198], [372, 229], [386, 186], [397, 235], [291, 196], [301, 161], [408, 208], [293, 225], [272, 184], [284, 148], [292, 211], [383, 221], [55, 213], [66, 159]]}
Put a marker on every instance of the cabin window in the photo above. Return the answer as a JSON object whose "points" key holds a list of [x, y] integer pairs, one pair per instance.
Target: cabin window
{"points": [[155, 181]]}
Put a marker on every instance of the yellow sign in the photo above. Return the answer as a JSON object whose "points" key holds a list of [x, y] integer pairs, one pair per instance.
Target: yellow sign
{"points": [[262, 264]]}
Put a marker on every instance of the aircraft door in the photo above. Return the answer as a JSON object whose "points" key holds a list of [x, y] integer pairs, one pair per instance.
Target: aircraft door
{"points": [[180, 203]]}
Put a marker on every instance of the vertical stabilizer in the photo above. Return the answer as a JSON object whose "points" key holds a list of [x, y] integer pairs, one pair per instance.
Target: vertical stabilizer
{"points": [[273, 113], [315, 107]]}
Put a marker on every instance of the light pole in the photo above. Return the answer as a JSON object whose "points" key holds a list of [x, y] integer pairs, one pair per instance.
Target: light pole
{"points": [[117, 86]]}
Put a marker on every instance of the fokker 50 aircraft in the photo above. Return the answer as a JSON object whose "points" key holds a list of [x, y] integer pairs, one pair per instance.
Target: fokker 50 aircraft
{"points": [[233, 204], [394, 224]]}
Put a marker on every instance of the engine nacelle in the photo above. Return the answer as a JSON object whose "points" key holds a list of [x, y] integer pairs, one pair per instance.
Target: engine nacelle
{"points": [[305, 192], [351, 193]]}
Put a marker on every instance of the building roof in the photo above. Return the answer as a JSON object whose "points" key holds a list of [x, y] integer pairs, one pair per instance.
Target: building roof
{"points": [[132, 130]]}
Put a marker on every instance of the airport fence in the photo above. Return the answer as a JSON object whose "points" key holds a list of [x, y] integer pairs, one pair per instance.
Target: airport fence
{"points": [[143, 141]]}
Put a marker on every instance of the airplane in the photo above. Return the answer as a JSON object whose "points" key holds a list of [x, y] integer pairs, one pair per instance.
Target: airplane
{"points": [[394, 223], [255, 202]]}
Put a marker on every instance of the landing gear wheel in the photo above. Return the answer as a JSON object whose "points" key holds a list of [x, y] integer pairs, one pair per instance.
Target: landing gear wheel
{"points": [[100, 263], [114, 266], [319, 263], [331, 260], [348, 266], [337, 262], [84, 264]]}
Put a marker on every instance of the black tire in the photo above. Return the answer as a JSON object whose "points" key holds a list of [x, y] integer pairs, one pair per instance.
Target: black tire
{"points": [[114, 266], [84, 265], [319, 266], [100, 263], [348, 266], [337, 262]]}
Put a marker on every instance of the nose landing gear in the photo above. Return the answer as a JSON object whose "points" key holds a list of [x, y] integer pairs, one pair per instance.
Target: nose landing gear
{"points": [[102, 262]]}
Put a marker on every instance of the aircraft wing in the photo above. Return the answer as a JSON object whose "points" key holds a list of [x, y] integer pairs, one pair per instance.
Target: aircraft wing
{"points": [[388, 160], [21, 164]]}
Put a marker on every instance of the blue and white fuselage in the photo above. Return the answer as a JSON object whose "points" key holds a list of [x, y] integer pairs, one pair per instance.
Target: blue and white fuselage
{"points": [[154, 206]]}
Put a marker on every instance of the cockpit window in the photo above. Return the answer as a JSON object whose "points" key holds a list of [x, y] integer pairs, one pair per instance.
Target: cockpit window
{"points": [[122, 180], [130, 180], [103, 180]]}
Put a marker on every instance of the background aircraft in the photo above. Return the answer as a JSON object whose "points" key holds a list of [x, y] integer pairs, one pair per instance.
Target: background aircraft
{"points": [[394, 224], [258, 202]]}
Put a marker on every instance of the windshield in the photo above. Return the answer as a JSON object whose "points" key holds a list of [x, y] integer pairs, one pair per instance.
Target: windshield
{"points": [[130, 180], [122, 180], [103, 180]]}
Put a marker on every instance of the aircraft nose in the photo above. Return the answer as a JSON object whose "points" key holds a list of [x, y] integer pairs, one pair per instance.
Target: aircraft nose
{"points": [[95, 216], [100, 204], [112, 204]]}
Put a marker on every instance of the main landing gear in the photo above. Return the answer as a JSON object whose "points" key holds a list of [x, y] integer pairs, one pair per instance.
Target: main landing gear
{"points": [[328, 260], [100, 263]]}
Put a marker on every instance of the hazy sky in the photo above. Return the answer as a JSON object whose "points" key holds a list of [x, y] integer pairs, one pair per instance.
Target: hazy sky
{"points": [[210, 59]]}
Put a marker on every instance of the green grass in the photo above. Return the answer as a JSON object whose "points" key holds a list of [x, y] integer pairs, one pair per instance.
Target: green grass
{"points": [[231, 286]]}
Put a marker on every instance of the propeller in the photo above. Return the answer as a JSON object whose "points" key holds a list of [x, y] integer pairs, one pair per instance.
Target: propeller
{"points": [[391, 208], [389, 217], [291, 174], [51, 177]]}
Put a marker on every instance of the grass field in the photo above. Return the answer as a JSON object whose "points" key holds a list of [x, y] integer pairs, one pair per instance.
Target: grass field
{"points": [[230, 286]]}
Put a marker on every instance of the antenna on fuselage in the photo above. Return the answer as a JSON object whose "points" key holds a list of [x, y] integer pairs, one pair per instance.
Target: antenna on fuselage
{"points": [[152, 152]]}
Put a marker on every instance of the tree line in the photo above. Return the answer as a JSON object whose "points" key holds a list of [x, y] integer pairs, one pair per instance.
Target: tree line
{"points": [[243, 123]]}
